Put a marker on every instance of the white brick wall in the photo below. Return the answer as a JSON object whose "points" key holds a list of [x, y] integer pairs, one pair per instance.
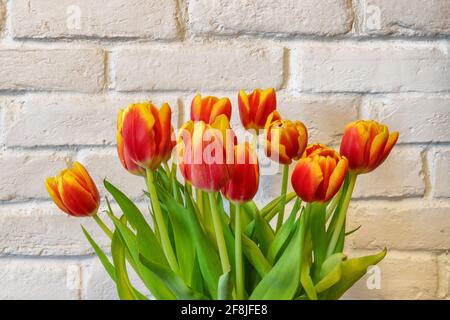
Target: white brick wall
{"points": [[62, 80]]}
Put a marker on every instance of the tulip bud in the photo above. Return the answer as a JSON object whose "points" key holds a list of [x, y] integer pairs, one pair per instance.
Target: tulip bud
{"points": [[366, 144], [74, 192], [147, 134], [205, 153], [207, 109], [285, 140], [256, 107], [124, 158], [244, 181], [319, 176]]}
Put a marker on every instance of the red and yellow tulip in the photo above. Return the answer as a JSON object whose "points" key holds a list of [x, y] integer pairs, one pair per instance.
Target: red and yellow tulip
{"points": [[244, 181], [74, 192], [366, 144], [147, 134], [255, 108], [319, 176], [124, 158], [204, 152], [285, 140], [207, 109]]}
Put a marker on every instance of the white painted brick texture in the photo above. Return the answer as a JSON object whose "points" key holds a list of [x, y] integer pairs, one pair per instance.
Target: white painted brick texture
{"points": [[67, 66], [154, 19]]}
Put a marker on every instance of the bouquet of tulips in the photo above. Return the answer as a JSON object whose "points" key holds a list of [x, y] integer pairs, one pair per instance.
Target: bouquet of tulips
{"points": [[207, 238]]}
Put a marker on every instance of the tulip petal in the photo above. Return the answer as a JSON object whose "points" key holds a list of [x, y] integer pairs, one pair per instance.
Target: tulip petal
{"points": [[244, 108], [85, 179], [392, 140], [376, 148], [76, 198], [336, 178], [306, 178], [52, 189], [266, 105]]}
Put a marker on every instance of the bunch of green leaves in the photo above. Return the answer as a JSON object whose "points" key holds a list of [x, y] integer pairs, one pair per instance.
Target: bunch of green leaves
{"points": [[293, 263]]}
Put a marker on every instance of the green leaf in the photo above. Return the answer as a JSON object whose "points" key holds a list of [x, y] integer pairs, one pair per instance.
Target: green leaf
{"points": [[331, 272], [274, 204], [123, 284], [109, 267], [264, 233], [255, 256], [225, 287], [353, 231], [352, 271], [318, 233], [282, 282], [284, 234], [305, 277], [134, 243], [138, 222], [172, 280], [183, 239], [207, 255]]}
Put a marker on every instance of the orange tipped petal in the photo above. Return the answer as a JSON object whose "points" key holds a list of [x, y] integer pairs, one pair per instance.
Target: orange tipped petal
{"points": [[306, 178], [77, 199], [86, 179], [52, 189], [336, 178]]}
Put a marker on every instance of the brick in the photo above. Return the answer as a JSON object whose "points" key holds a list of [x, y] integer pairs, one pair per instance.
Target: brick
{"points": [[153, 19], [418, 118], [325, 117], [42, 229], [197, 68], [23, 173], [441, 174], [68, 120], [2, 14], [405, 17], [404, 276], [40, 279], [54, 70], [373, 68], [308, 17], [105, 164], [400, 175], [444, 276], [402, 226]]}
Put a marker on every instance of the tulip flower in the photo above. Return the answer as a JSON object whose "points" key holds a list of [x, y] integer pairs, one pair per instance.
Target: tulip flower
{"points": [[74, 192], [147, 134], [319, 176], [285, 140], [366, 144], [205, 157], [313, 148], [207, 109], [124, 157], [244, 181], [255, 108], [204, 153]]}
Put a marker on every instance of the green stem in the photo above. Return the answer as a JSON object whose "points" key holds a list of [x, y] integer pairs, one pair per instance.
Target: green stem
{"points": [[238, 254], [162, 228], [333, 205], [103, 226], [342, 214], [283, 197], [219, 233], [199, 194]]}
